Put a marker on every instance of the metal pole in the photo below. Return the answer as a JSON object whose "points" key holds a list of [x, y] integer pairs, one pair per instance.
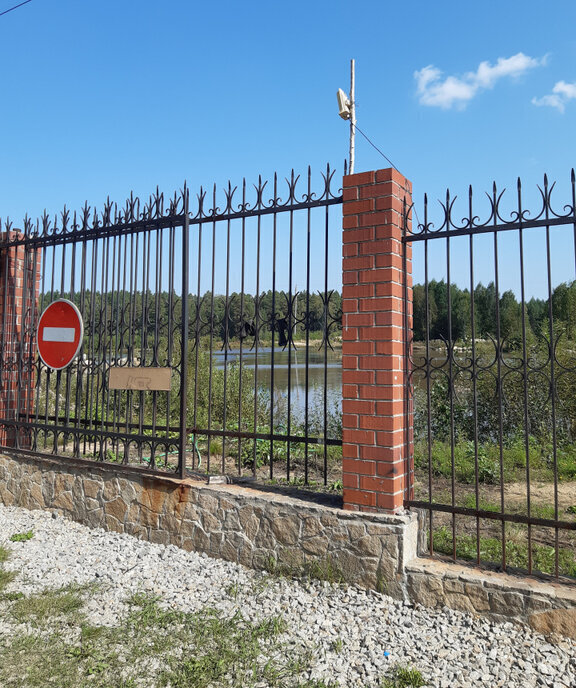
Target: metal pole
{"points": [[184, 343], [352, 117]]}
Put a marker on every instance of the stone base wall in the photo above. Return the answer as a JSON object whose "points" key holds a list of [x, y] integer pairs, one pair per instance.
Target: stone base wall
{"points": [[546, 606], [259, 530], [266, 531]]}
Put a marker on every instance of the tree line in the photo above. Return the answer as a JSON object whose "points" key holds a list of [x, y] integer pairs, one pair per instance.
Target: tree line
{"points": [[443, 313], [236, 316], [450, 313]]}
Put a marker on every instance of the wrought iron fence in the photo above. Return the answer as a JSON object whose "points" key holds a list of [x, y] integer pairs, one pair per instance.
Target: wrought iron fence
{"points": [[119, 268], [492, 365], [238, 300], [265, 325]]}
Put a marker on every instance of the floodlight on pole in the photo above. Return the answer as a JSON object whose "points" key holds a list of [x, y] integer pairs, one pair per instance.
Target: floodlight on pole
{"points": [[347, 110], [343, 104]]}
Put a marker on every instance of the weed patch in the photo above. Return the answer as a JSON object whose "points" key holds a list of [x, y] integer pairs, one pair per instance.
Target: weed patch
{"points": [[323, 569], [22, 537], [5, 578], [467, 460], [403, 677]]}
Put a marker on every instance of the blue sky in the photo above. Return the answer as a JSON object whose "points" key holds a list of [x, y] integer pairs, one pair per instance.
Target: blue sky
{"points": [[102, 98]]}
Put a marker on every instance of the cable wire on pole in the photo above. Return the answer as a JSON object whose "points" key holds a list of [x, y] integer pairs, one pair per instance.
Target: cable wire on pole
{"points": [[386, 158], [375, 147], [15, 7]]}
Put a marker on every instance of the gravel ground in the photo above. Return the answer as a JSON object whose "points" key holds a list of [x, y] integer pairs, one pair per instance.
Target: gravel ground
{"points": [[356, 635]]}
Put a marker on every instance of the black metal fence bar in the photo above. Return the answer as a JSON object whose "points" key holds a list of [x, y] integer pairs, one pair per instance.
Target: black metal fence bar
{"points": [[492, 378], [520, 218], [503, 227], [184, 342]]}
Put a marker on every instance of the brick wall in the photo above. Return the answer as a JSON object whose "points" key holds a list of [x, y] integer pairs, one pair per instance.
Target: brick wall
{"points": [[19, 290], [376, 292]]}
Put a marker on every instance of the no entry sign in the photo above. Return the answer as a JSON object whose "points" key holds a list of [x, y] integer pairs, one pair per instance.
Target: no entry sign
{"points": [[60, 332]]}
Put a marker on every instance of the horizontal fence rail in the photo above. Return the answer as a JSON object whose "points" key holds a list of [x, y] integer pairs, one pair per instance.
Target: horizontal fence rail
{"points": [[492, 368], [236, 295]]}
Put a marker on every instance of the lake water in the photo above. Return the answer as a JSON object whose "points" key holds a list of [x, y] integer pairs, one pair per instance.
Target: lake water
{"points": [[295, 371]]}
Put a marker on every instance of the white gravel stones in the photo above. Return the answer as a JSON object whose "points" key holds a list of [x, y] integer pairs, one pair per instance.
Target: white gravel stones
{"points": [[348, 629]]}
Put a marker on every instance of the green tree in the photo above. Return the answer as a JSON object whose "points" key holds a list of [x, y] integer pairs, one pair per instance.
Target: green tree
{"points": [[485, 309], [423, 318], [510, 319], [452, 309]]}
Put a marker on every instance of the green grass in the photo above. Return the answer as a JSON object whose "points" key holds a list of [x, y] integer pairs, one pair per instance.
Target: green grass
{"points": [[322, 569], [11, 596], [337, 646], [403, 677], [151, 645], [543, 556], [219, 649], [543, 511], [469, 502], [42, 608], [226, 647], [513, 461], [5, 578]]}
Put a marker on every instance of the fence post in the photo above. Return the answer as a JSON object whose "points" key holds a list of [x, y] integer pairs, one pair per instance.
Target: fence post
{"points": [[377, 288], [19, 292]]}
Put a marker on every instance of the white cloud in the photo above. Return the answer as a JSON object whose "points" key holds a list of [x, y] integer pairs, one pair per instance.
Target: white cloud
{"points": [[486, 75], [566, 90], [455, 91], [561, 94], [551, 101]]}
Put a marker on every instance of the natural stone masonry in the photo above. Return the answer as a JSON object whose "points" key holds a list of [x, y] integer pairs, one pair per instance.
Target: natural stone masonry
{"points": [[547, 607], [239, 524], [260, 530]]}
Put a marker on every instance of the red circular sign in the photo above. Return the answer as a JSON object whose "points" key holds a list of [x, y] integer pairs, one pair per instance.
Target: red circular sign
{"points": [[60, 333]]}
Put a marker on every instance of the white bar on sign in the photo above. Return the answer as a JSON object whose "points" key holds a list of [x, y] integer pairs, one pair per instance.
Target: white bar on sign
{"points": [[58, 334]]}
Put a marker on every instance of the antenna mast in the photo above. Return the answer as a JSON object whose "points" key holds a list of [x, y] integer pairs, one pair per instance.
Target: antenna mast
{"points": [[352, 117], [347, 110]]}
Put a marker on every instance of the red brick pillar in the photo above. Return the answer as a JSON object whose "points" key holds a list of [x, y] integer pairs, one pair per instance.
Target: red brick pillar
{"points": [[19, 291], [377, 437]]}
